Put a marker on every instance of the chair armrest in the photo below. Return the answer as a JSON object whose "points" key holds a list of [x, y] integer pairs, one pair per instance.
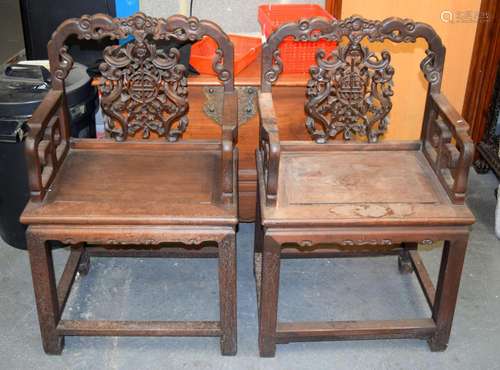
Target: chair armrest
{"points": [[229, 137], [269, 146], [448, 146], [47, 142]]}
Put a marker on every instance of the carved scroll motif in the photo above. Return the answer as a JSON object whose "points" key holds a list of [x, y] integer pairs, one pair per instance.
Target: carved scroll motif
{"points": [[350, 92], [355, 29], [144, 89]]}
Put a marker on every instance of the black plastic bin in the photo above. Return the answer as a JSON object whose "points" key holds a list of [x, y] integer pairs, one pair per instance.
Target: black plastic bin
{"points": [[22, 88]]}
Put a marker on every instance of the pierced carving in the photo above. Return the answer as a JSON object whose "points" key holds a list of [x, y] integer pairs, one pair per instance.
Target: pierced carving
{"points": [[349, 92], [143, 89], [143, 30], [355, 29], [276, 68]]}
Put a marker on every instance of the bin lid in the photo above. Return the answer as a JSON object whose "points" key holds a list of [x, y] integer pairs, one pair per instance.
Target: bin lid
{"points": [[23, 87]]}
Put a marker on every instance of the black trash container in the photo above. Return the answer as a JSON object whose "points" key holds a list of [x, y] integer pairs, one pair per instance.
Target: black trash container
{"points": [[22, 88]]}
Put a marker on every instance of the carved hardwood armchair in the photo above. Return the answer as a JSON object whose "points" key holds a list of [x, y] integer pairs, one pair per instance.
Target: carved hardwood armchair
{"points": [[361, 197], [120, 197]]}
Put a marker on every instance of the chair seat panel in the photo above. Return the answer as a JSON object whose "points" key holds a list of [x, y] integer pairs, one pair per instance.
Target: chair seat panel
{"points": [[351, 188], [135, 187], [359, 178]]}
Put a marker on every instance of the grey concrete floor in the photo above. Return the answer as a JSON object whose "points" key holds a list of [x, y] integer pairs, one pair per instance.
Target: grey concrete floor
{"points": [[328, 289], [340, 289]]}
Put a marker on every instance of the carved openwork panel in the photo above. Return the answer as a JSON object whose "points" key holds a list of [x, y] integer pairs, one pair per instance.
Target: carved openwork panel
{"points": [[144, 89], [442, 152], [47, 143], [350, 90], [447, 146], [354, 30], [350, 93]]}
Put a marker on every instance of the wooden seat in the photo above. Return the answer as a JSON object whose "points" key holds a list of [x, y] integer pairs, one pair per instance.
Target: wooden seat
{"points": [[343, 188], [155, 187], [126, 196], [360, 196]]}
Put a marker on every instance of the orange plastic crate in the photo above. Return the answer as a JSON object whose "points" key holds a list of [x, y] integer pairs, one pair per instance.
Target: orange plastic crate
{"points": [[246, 49], [297, 56]]}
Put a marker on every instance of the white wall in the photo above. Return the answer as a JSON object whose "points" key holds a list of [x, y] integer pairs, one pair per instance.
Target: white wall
{"points": [[232, 15]]}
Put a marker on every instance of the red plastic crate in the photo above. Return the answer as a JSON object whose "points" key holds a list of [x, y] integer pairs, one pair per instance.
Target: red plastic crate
{"points": [[246, 49], [297, 56]]}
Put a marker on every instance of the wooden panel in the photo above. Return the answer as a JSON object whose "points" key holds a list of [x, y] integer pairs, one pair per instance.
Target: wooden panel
{"points": [[334, 7], [92, 176], [135, 186], [483, 70], [347, 178], [291, 117], [247, 192], [429, 203]]}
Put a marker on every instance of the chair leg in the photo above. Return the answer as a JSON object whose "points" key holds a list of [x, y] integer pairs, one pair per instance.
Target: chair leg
{"points": [[44, 283], [268, 310], [228, 296], [257, 243], [447, 291], [84, 265], [259, 232], [404, 261]]}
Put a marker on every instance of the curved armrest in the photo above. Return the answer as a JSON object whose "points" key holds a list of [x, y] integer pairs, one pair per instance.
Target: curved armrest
{"points": [[269, 145], [229, 136], [449, 147], [47, 143]]}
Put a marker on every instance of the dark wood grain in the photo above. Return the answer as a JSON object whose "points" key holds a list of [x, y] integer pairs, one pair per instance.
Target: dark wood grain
{"points": [[334, 7], [127, 191], [359, 197], [483, 69], [140, 328]]}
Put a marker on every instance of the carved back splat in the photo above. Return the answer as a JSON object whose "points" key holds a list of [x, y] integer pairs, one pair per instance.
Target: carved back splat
{"points": [[349, 90], [143, 88]]}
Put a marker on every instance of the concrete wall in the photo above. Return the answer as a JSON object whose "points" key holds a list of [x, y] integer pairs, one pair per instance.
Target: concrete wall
{"points": [[232, 15]]}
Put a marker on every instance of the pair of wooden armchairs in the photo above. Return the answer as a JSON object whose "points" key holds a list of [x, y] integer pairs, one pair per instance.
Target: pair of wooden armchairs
{"points": [[360, 198]]}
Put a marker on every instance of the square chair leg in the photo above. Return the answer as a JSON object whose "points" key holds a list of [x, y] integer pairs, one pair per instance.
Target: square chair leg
{"points": [[227, 291], [450, 272], [268, 309], [44, 283]]}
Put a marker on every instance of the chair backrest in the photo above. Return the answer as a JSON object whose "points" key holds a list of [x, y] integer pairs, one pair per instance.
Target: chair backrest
{"points": [[143, 87], [350, 90]]}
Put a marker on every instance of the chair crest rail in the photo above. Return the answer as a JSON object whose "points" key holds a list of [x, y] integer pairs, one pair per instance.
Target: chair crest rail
{"points": [[355, 29], [350, 89], [143, 87], [141, 27]]}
